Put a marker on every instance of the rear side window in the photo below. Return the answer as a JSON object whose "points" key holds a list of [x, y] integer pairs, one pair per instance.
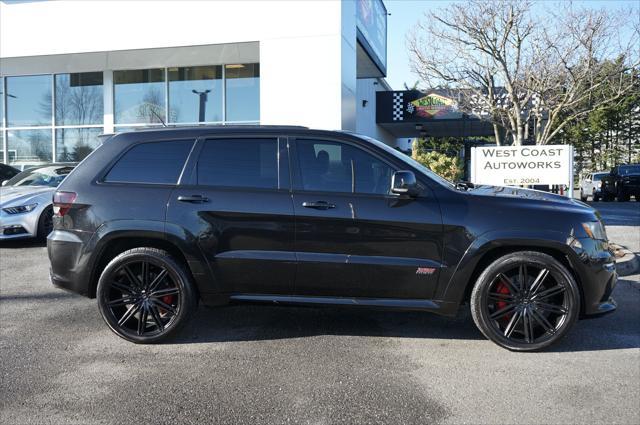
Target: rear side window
{"points": [[155, 162], [247, 163]]}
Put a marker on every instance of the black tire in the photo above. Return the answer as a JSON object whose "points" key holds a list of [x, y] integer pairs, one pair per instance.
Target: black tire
{"points": [[145, 295], [541, 311], [622, 196], [45, 224], [596, 198]]}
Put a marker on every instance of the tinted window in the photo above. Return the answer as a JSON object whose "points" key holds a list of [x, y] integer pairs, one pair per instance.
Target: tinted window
{"points": [[239, 163], [338, 167], [156, 162], [629, 169], [6, 172]]}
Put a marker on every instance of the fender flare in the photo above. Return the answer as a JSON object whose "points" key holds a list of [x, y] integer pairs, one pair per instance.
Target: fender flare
{"points": [[151, 229], [454, 289]]}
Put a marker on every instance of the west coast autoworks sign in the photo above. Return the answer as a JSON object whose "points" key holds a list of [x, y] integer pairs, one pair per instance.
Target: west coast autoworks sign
{"points": [[522, 165]]}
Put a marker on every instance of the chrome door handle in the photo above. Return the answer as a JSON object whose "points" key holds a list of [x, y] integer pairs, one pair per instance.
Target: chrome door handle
{"points": [[318, 205], [195, 199]]}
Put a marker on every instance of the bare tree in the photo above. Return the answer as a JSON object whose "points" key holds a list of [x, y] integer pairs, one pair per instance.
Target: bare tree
{"points": [[529, 73]]}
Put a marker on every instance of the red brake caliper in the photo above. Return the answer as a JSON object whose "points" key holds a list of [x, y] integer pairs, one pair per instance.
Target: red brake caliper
{"points": [[501, 288], [167, 299]]}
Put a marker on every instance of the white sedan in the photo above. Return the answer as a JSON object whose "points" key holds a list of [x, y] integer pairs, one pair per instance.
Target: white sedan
{"points": [[25, 201]]}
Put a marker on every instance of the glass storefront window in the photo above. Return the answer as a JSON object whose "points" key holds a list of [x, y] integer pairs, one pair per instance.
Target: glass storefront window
{"points": [[28, 100], [195, 94], [139, 96], [74, 144], [79, 98], [29, 147], [1, 104], [242, 92]]}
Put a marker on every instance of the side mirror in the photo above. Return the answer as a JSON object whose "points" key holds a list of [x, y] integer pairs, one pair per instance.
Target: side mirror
{"points": [[4, 182], [404, 183]]}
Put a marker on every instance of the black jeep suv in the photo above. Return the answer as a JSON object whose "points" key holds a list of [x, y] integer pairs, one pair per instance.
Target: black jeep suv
{"points": [[155, 221]]}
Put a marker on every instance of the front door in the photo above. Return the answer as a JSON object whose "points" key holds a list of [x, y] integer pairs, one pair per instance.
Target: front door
{"points": [[353, 237], [237, 207]]}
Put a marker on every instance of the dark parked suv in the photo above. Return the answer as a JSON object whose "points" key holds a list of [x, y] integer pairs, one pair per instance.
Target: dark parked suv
{"points": [[622, 183], [155, 221]]}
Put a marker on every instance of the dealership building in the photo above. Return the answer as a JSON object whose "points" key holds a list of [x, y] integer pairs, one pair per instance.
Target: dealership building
{"points": [[70, 71]]}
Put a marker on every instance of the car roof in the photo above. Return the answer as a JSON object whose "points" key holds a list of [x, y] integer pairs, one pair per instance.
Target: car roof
{"points": [[167, 133]]}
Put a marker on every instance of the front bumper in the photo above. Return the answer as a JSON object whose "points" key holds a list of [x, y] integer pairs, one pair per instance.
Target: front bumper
{"points": [[16, 226], [598, 276]]}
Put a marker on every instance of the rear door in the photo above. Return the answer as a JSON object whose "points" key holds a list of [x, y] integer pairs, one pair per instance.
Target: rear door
{"points": [[236, 205], [353, 237]]}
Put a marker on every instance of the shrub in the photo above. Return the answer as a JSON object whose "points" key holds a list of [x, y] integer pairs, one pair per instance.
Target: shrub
{"points": [[446, 166]]}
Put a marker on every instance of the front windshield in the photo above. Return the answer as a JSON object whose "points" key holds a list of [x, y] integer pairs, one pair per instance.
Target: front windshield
{"points": [[50, 176], [407, 159], [629, 169]]}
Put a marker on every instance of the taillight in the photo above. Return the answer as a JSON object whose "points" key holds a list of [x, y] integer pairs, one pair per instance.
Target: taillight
{"points": [[62, 202]]}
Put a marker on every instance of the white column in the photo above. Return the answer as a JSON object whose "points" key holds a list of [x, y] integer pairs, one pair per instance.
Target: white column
{"points": [[107, 81]]}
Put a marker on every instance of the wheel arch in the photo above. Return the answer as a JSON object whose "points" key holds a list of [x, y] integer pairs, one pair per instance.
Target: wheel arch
{"points": [[113, 242], [487, 249]]}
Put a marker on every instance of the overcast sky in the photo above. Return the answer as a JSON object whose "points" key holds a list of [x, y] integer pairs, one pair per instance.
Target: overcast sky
{"points": [[406, 13]]}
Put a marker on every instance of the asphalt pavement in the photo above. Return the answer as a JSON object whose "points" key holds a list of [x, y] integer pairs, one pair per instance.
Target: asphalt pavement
{"points": [[250, 364]]}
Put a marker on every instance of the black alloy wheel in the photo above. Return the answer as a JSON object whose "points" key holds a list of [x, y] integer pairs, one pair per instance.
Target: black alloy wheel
{"points": [[144, 295], [525, 301]]}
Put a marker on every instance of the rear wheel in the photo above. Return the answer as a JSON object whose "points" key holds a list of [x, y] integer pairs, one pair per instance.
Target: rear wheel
{"points": [[525, 301], [145, 295]]}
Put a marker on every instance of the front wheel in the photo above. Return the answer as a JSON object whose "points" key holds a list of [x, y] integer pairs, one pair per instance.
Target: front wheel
{"points": [[525, 301], [45, 223], [622, 196], [145, 295]]}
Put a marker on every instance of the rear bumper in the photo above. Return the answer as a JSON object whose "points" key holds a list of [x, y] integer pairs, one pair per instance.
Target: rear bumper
{"points": [[68, 264]]}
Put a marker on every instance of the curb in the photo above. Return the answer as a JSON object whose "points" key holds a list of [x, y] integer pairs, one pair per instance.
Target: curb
{"points": [[627, 263]]}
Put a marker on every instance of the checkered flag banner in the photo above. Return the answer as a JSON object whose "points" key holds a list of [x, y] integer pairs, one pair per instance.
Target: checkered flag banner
{"points": [[398, 100]]}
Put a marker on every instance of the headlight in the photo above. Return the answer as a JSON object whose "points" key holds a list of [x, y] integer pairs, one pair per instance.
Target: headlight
{"points": [[595, 230], [20, 209]]}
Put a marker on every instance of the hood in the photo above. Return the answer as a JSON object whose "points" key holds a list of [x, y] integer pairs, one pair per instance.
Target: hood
{"points": [[17, 195], [536, 196]]}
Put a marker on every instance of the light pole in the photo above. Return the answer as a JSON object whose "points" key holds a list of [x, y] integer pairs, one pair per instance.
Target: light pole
{"points": [[203, 103]]}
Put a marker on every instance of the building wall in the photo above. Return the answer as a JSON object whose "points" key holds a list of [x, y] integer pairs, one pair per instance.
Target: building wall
{"points": [[302, 46], [366, 113]]}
